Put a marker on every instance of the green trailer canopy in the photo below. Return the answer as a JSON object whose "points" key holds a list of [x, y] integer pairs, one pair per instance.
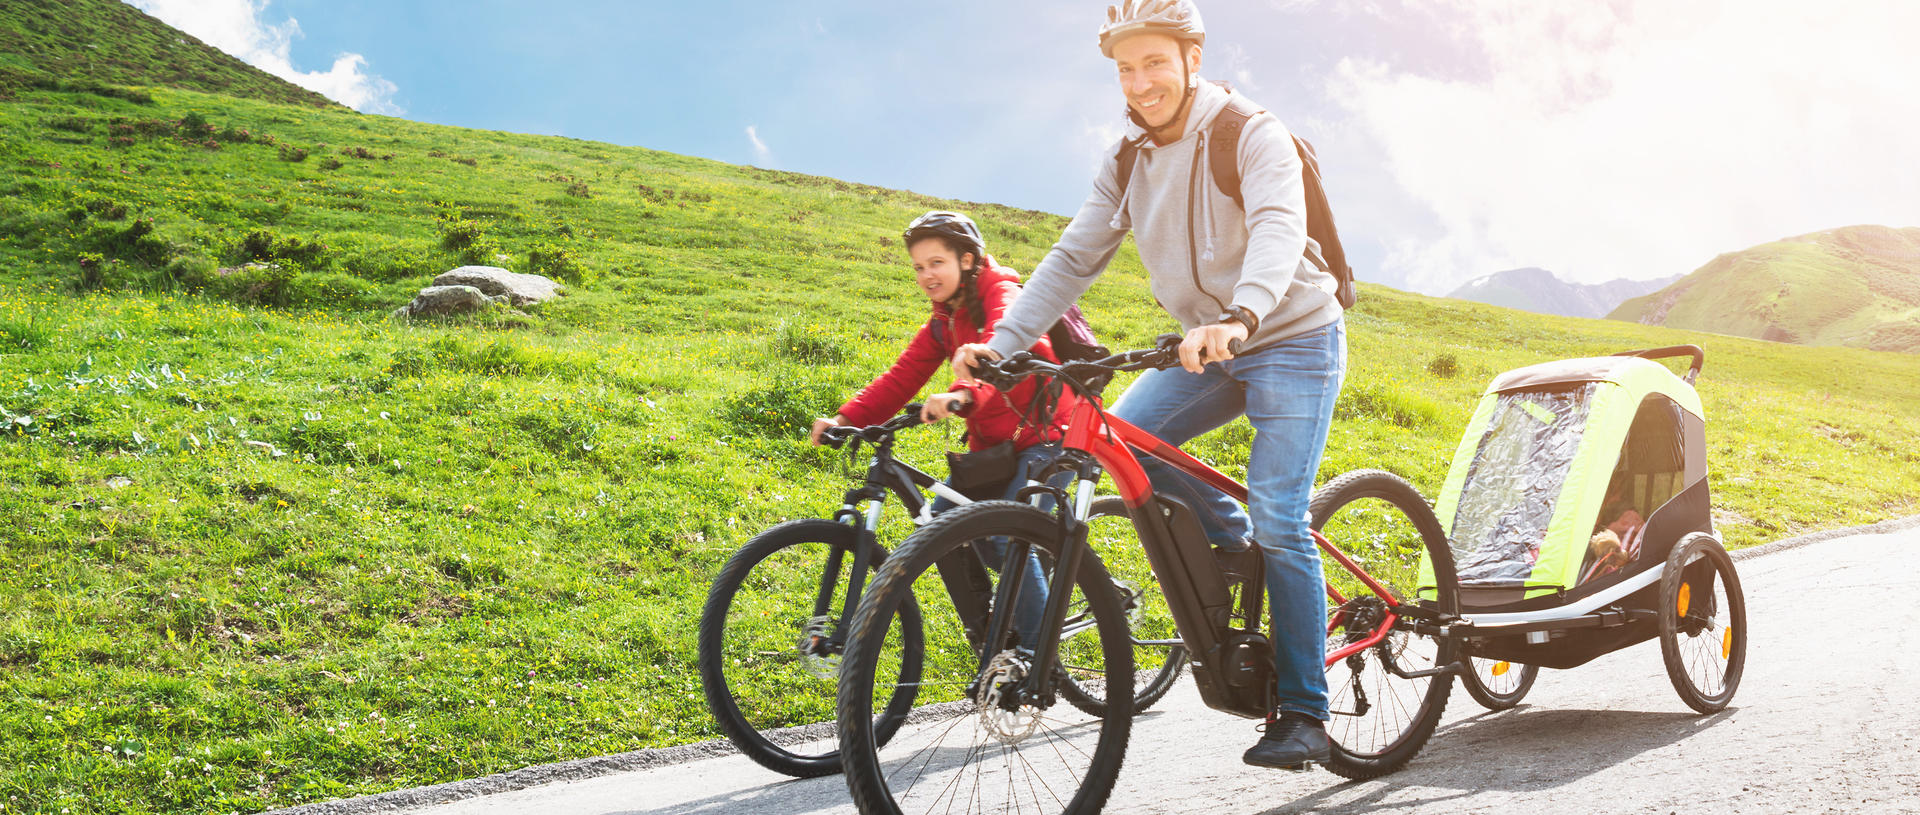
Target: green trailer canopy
{"points": [[1533, 469]]}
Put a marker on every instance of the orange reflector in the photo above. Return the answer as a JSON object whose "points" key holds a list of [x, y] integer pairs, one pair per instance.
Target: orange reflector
{"points": [[1686, 599], [1726, 643], [1500, 668]]}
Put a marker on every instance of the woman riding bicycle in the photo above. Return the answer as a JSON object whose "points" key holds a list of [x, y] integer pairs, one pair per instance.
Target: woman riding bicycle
{"points": [[969, 293]]}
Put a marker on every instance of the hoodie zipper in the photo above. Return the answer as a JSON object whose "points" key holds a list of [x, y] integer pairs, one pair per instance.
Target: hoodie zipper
{"points": [[1193, 191]]}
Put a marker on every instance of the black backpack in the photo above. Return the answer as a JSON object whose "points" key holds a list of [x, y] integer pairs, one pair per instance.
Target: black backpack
{"points": [[1224, 160], [1073, 338]]}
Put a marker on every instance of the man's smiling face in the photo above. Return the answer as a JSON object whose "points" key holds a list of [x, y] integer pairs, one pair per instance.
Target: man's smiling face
{"points": [[1151, 76]]}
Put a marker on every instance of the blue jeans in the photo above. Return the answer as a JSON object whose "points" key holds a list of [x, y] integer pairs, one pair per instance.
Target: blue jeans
{"points": [[1286, 390], [1032, 600]]}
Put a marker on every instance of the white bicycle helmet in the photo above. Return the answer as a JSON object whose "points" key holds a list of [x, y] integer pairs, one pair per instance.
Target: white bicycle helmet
{"points": [[1178, 19]]}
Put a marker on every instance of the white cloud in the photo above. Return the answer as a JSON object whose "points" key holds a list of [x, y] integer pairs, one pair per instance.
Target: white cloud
{"points": [[236, 27], [1639, 138], [1097, 140], [1238, 67], [762, 157]]}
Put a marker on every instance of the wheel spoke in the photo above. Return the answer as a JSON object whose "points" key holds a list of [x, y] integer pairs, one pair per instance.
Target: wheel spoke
{"points": [[1385, 527]]}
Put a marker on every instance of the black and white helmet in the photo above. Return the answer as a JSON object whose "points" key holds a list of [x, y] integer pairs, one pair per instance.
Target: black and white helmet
{"points": [[1178, 19], [949, 224]]}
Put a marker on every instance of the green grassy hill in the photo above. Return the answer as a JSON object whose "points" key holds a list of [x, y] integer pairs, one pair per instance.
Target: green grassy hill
{"points": [[262, 545], [1857, 286], [101, 43]]}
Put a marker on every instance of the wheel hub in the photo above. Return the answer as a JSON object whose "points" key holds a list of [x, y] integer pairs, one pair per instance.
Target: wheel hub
{"points": [[817, 655], [1005, 720]]}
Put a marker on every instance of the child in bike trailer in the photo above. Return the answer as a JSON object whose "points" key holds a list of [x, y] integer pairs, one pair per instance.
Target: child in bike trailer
{"points": [[969, 293], [1228, 268]]}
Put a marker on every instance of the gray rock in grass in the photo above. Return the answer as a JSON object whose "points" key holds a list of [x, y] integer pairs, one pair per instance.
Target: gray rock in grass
{"points": [[519, 289], [442, 301]]}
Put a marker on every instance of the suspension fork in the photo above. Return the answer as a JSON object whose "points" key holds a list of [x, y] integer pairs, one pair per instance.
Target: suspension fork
{"points": [[864, 544], [1013, 579], [1038, 688]]}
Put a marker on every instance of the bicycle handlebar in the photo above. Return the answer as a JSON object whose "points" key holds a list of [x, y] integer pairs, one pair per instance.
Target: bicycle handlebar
{"points": [[873, 434], [1165, 353]]}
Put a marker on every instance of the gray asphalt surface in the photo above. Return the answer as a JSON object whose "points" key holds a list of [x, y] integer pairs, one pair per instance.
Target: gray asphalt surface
{"points": [[1822, 722]]}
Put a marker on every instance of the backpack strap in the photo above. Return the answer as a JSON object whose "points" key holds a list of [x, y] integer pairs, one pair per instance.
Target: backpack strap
{"points": [[1223, 155], [1124, 159]]}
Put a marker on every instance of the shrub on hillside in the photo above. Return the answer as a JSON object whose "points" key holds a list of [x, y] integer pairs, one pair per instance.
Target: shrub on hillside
{"points": [[135, 242], [290, 152], [809, 344], [195, 126], [556, 261], [782, 409], [92, 271], [256, 284], [24, 334], [264, 246], [469, 241], [106, 209], [1445, 366]]}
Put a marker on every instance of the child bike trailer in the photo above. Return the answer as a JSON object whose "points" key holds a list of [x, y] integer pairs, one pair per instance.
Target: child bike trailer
{"points": [[1579, 520]]}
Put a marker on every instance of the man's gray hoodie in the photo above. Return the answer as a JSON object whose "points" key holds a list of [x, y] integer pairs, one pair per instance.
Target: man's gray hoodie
{"points": [[1202, 251]]}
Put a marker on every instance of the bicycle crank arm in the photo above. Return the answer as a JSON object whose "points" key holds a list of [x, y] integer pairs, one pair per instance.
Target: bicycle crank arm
{"points": [[1449, 668]]}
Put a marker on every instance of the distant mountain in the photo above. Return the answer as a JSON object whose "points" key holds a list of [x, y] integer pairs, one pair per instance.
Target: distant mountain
{"points": [[1540, 291], [1856, 286], [51, 44]]}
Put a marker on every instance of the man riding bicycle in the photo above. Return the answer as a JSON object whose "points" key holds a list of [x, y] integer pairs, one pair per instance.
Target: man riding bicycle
{"points": [[1228, 270]]}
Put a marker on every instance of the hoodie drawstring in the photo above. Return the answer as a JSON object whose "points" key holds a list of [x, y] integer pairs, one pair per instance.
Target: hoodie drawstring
{"points": [[1206, 199]]}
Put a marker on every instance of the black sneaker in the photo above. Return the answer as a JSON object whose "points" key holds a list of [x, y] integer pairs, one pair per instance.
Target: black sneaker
{"points": [[1292, 741]]}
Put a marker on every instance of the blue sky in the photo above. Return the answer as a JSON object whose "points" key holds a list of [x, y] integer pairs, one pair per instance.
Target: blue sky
{"points": [[1625, 138]]}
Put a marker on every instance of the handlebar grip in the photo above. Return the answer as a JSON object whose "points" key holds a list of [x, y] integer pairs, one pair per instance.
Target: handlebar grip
{"points": [[837, 435], [1234, 346]]}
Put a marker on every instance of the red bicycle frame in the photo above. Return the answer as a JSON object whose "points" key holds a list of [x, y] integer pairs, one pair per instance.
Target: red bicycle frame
{"points": [[1227, 663]]}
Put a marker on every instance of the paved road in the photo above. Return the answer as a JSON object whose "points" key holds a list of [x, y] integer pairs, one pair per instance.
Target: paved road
{"points": [[1824, 722]]}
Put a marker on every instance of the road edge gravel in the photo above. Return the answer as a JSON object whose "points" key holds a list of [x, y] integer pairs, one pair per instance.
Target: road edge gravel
{"points": [[585, 768]]}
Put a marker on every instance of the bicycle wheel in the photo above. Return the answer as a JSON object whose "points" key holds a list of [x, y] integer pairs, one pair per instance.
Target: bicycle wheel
{"points": [[1496, 683], [770, 669], [1381, 716], [1703, 623], [1155, 667], [978, 744]]}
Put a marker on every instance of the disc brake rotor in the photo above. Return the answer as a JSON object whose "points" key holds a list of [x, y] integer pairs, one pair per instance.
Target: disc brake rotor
{"points": [[1003, 674], [815, 655]]}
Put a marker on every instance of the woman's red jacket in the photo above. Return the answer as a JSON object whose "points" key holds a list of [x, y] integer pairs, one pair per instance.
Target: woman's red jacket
{"points": [[993, 417]]}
